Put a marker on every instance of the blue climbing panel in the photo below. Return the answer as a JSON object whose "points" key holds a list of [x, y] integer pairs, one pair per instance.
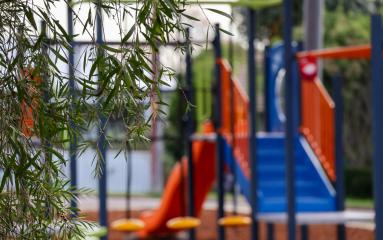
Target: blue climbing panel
{"points": [[314, 191], [274, 89]]}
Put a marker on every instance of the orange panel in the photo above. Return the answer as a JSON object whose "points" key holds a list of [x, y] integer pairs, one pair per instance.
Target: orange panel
{"points": [[318, 123], [171, 205], [236, 112]]}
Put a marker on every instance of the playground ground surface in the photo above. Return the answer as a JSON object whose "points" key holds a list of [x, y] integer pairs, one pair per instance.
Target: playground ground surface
{"points": [[207, 231]]}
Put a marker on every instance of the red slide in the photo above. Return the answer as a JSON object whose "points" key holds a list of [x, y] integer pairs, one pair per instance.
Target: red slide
{"points": [[171, 203]]}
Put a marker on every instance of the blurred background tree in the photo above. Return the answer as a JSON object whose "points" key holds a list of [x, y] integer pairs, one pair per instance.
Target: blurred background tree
{"points": [[346, 27]]}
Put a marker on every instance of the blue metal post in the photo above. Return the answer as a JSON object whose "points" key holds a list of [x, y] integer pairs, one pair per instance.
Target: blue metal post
{"points": [[190, 130], [290, 122], [270, 231], [73, 140], [267, 89], [235, 186], [297, 87], [45, 85], [377, 120], [339, 168], [103, 214], [304, 232], [217, 122], [252, 78]]}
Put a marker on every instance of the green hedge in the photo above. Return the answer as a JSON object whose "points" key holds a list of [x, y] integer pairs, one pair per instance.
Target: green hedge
{"points": [[358, 182]]}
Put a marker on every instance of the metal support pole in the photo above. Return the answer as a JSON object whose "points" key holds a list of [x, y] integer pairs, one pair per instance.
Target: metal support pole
{"points": [[46, 141], [313, 24], [190, 130], [231, 43], [235, 186], [252, 78], [377, 120], [339, 184], [290, 126], [73, 139], [103, 214], [270, 231], [304, 232], [267, 88], [313, 12], [217, 122]]}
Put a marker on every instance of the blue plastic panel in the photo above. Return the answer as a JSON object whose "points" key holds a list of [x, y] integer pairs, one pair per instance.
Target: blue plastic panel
{"points": [[314, 192], [274, 88]]}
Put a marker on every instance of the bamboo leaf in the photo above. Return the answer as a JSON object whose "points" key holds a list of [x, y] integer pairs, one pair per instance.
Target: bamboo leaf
{"points": [[226, 32], [129, 34], [220, 13], [30, 17]]}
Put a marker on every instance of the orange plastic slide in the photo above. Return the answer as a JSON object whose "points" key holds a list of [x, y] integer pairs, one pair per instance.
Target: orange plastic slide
{"points": [[172, 205]]}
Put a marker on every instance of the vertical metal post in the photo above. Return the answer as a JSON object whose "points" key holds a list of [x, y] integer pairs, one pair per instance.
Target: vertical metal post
{"points": [[266, 89], [217, 123], [297, 87], [377, 120], [190, 130], [128, 181], [235, 187], [103, 214], [313, 24], [304, 232], [231, 43], [46, 144], [339, 168], [252, 78], [270, 231], [290, 131], [73, 139], [313, 12]]}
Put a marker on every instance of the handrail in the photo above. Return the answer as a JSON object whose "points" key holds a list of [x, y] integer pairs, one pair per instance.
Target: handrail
{"points": [[350, 52], [318, 123], [234, 111]]}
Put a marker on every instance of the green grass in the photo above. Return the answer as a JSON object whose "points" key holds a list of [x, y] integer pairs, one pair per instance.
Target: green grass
{"points": [[359, 203]]}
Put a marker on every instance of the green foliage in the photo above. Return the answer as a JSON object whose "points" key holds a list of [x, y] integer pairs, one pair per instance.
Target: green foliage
{"points": [[359, 183], [359, 203], [347, 30], [34, 191], [269, 20], [351, 5], [203, 73]]}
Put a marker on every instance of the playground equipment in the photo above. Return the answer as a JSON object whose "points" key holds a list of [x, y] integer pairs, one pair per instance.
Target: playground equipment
{"points": [[270, 167], [182, 222], [315, 193], [315, 145], [170, 206], [233, 220], [101, 139]]}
